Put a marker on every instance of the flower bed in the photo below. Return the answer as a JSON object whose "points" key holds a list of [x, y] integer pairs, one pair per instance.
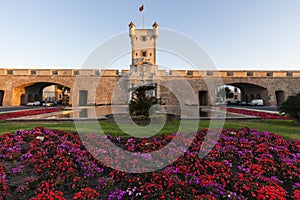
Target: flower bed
{"points": [[261, 114], [45, 164], [24, 113]]}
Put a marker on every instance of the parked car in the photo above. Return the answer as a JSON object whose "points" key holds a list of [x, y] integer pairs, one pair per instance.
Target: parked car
{"points": [[243, 103], [228, 102], [221, 103], [47, 103], [34, 103], [256, 102], [235, 102], [217, 103]]}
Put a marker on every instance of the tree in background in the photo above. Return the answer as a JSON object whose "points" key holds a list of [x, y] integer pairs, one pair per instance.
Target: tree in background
{"points": [[225, 93], [291, 107]]}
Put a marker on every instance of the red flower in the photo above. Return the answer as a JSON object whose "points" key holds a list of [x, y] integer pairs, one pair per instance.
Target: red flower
{"points": [[28, 112], [86, 193], [296, 195], [53, 195], [271, 192]]}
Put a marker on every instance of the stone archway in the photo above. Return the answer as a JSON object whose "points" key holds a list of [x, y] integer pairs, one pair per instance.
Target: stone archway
{"points": [[251, 91], [31, 92]]}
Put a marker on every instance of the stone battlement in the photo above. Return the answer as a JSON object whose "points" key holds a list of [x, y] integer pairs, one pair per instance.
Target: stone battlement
{"points": [[185, 73]]}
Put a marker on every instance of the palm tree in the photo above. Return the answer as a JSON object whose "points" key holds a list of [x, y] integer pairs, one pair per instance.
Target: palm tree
{"points": [[141, 102]]}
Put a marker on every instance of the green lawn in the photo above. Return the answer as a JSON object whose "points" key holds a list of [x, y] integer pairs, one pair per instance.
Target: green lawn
{"points": [[286, 128]]}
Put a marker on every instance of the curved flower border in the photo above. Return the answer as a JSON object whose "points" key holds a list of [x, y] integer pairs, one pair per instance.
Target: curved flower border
{"points": [[24, 113], [261, 114]]}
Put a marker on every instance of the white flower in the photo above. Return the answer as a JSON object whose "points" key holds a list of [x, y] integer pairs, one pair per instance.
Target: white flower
{"points": [[40, 138]]}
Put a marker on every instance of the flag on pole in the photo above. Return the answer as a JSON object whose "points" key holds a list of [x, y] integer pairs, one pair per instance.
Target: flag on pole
{"points": [[141, 8]]}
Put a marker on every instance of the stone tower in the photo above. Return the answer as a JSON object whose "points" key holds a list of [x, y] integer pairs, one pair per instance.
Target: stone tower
{"points": [[143, 68], [143, 43]]}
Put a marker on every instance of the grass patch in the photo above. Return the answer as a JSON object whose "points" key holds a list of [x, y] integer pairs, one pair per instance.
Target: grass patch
{"points": [[9, 127], [286, 128]]}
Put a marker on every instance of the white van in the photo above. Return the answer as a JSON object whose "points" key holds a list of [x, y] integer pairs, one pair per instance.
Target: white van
{"points": [[257, 102]]}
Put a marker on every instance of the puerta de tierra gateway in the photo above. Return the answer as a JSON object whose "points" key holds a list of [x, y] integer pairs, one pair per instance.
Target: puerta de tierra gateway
{"points": [[19, 86]]}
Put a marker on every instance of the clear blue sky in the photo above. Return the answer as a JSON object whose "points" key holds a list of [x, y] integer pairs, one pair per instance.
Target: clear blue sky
{"points": [[252, 34]]}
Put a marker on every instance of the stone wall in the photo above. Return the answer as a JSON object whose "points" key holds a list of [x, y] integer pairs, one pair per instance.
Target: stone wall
{"points": [[101, 85]]}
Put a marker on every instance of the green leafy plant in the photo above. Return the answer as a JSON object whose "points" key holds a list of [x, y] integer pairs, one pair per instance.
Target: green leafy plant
{"points": [[141, 102], [140, 118], [291, 107]]}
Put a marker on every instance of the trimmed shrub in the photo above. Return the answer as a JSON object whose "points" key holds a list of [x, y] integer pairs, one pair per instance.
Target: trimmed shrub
{"points": [[291, 107]]}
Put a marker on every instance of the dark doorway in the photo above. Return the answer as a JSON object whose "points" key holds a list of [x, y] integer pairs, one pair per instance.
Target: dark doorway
{"points": [[203, 98], [83, 96], [23, 100], [83, 113], [279, 97], [1, 97]]}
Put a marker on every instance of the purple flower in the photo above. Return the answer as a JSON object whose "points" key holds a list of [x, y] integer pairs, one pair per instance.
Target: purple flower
{"points": [[17, 170], [228, 163], [296, 185], [117, 193], [26, 156]]}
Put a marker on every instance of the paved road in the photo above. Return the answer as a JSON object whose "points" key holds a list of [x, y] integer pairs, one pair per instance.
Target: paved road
{"points": [[17, 108]]}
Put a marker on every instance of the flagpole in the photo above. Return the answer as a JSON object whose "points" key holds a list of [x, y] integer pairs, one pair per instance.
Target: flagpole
{"points": [[143, 19]]}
